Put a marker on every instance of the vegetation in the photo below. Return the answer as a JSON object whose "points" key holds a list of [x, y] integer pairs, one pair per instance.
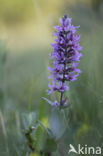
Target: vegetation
{"points": [[24, 125]]}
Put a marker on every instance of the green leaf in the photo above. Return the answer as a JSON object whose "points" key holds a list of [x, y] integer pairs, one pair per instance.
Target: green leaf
{"points": [[29, 119], [57, 123], [39, 138], [48, 131], [48, 101], [50, 145]]}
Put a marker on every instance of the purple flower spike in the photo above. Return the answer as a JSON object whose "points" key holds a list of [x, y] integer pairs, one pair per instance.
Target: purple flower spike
{"points": [[65, 57]]}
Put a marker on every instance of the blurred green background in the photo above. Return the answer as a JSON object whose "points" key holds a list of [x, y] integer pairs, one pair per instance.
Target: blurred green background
{"points": [[26, 28]]}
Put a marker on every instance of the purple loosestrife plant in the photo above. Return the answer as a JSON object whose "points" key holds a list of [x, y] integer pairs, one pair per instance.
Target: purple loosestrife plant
{"points": [[65, 58]]}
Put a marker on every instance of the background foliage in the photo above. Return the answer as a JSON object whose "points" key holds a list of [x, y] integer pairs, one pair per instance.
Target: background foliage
{"points": [[25, 37]]}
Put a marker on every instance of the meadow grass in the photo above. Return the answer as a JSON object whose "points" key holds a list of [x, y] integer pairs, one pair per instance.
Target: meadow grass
{"points": [[23, 79]]}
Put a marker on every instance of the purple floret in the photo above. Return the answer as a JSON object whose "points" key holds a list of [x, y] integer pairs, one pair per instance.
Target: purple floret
{"points": [[65, 56]]}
